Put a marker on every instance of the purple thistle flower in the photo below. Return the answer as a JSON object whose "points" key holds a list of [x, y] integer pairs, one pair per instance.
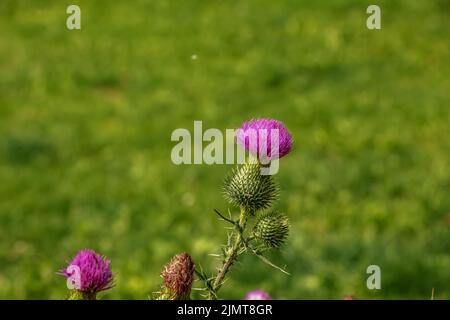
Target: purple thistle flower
{"points": [[95, 272], [257, 295], [256, 137]]}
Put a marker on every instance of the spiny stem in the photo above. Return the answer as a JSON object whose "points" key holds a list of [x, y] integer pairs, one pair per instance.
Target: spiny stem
{"points": [[232, 254]]}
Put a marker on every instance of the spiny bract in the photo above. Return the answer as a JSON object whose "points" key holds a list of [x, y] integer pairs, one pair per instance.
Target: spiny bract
{"points": [[248, 189]]}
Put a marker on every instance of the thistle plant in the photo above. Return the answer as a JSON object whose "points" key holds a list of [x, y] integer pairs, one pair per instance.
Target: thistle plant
{"points": [[256, 229], [88, 274]]}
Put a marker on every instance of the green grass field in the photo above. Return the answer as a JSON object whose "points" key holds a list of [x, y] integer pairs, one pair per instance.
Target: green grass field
{"points": [[86, 118]]}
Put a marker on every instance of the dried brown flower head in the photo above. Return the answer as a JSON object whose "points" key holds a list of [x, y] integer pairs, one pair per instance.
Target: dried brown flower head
{"points": [[178, 276]]}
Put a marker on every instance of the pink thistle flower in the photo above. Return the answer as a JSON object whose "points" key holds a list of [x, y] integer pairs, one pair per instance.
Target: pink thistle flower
{"points": [[257, 295], [94, 272], [267, 138]]}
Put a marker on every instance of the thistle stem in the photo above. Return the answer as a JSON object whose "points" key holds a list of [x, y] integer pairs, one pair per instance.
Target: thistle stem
{"points": [[232, 255]]}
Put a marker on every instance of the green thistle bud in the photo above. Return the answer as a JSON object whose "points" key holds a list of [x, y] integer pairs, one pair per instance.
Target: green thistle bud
{"points": [[178, 276], [248, 189], [272, 229]]}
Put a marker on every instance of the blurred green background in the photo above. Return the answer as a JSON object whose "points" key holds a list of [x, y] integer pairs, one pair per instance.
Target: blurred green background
{"points": [[86, 118]]}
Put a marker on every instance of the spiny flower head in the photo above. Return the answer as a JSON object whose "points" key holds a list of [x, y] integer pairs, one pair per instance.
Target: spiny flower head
{"points": [[247, 188], [272, 229], [256, 136], [178, 276], [257, 295], [95, 271]]}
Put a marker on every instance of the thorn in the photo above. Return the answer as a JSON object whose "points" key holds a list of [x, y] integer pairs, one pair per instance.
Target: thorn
{"points": [[199, 289], [224, 218]]}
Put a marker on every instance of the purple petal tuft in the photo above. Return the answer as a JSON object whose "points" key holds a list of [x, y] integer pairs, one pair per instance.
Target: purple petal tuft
{"points": [[256, 137], [95, 271], [258, 295]]}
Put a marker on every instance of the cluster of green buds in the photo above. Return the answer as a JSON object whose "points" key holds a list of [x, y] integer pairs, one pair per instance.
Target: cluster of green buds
{"points": [[253, 192]]}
